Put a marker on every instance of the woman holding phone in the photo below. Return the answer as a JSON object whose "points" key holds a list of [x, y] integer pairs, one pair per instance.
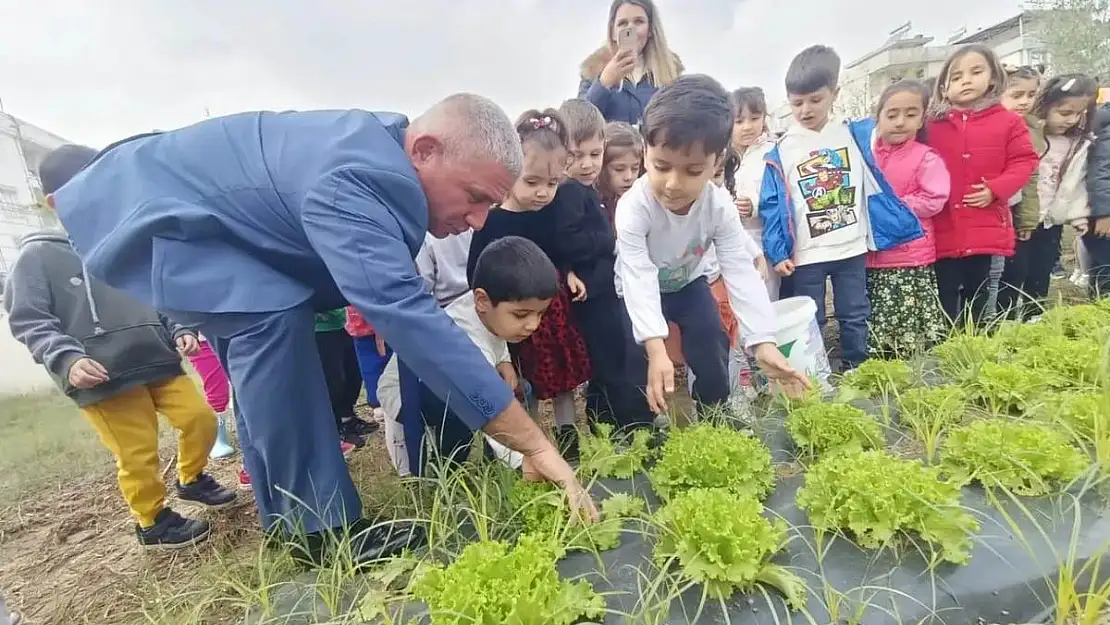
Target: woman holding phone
{"points": [[622, 75]]}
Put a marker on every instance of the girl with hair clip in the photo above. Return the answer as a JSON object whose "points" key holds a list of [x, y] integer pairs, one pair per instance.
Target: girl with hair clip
{"points": [[553, 359], [989, 157], [1066, 107], [906, 317], [621, 165], [1022, 85], [751, 142], [620, 77]]}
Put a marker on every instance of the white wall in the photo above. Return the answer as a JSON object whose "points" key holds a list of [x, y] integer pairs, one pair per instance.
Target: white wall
{"points": [[18, 373]]}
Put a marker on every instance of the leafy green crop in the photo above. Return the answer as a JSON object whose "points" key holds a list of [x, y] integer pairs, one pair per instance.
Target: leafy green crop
{"points": [[713, 456], [961, 355], [493, 584], [600, 457], [928, 412], [720, 539], [1086, 415], [880, 498], [828, 428], [880, 377], [1078, 322], [546, 515], [1062, 362], [1007, 388], [1026, 458]]}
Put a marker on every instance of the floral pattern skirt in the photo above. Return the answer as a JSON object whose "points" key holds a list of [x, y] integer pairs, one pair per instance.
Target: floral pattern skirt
{"points": [[554, 359], [906, 317]]}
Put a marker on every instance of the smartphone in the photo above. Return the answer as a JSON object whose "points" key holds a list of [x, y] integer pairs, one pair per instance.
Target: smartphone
{"points": [[626, 38]]}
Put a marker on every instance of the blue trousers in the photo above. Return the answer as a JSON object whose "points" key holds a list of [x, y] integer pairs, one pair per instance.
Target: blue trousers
{"points": [[704, 342], [371, 364], [850, 303], [283, 416]]}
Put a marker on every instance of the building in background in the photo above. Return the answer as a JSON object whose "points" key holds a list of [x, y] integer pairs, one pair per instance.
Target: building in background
{"points": [[22, 148], [904, 56]]}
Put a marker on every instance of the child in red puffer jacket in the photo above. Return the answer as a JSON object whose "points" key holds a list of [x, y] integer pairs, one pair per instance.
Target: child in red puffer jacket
{"points": [[990, 157]]}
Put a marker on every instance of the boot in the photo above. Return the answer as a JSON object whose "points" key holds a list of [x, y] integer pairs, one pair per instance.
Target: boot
{"points": [[222, 448]]}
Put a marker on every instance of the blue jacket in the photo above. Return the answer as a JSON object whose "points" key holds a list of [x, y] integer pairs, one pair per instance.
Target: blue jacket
{"points": [[624, 103], [891, 222], [261, 212]]}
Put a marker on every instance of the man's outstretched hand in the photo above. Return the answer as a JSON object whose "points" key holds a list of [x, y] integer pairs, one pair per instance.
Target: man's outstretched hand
{"points": [[551, 467]]}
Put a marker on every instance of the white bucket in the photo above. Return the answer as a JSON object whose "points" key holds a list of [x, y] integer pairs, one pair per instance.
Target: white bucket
{"points": [[799, 338]]}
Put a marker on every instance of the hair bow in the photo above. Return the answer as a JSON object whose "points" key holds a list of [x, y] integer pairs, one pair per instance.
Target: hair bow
{"points": [[541, 122]]}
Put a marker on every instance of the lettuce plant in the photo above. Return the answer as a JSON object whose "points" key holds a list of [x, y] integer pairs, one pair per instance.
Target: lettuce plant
{"points": [[713, 456], [720, 539], [1007, 388], [881, 499], [877, 377], [598, 456], [545, 512], [492, 583], [830, 428], [1026, 458]]}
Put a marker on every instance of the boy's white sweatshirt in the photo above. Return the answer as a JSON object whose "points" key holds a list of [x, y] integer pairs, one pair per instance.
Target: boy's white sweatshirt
{"points": [[661, 252], [442, 264], [464, 312], [826, 177]]}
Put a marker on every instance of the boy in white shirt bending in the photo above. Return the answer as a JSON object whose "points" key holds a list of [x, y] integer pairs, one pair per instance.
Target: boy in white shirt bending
{"points": [[514, 282], [665, 224]]}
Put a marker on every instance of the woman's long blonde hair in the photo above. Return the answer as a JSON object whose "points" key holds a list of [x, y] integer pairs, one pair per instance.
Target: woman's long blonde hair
{"points": [[659, 61]]}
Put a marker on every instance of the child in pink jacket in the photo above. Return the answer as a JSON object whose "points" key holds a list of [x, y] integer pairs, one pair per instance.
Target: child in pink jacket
{"points": [[906, 316]]}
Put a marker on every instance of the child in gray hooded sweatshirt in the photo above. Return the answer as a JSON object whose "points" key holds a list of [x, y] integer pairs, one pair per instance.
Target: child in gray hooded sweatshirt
{"points": [[120, 362]]}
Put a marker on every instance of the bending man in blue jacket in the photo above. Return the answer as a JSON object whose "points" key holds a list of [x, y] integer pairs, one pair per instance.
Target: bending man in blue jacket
{"points": [[246, 225]]}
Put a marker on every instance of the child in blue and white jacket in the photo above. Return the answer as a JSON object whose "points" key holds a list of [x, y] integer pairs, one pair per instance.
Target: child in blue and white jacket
{"points": [[825, 204]]}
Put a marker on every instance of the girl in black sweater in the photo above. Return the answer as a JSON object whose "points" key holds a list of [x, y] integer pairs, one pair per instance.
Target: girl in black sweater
{"points": [[583, 236]]}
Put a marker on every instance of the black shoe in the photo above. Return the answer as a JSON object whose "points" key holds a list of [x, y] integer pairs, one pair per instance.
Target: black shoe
{"points": [[366, 543], [359, 427], [207, 492], [566, 439], [173, 531], [357, 440]]}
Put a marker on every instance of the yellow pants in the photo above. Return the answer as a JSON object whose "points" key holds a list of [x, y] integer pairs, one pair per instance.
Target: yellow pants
{"points": [[127, 424]]}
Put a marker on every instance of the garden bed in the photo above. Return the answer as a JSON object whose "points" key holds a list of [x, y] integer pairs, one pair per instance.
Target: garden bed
{"points": [[969, 487]]}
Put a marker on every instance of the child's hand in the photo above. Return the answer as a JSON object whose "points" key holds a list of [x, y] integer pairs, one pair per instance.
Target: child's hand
{"points": [[744, 207], [762, 268], [187, 344], [785, 268], [1102, 227], [379, 344], [508, 373], [1080, 226], [577, 287], [981, 197], [660, 382], [1023, 235], [87, 373], [777, 367]]}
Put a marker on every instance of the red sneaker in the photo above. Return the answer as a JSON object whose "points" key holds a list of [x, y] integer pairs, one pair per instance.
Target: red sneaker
{"points": [[346, 448], [244, 479]]}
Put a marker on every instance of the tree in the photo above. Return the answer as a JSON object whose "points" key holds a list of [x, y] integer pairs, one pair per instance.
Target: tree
{"points": [[1076, 35]]}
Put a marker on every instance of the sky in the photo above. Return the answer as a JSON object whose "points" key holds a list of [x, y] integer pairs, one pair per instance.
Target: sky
{"points": [[94, 72]]}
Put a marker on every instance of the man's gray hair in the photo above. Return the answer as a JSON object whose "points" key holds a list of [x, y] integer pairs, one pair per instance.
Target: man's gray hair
{"points": [[473, 127]]}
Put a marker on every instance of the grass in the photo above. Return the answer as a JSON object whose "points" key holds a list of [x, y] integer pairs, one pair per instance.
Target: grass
{"points": [[44, 444]]}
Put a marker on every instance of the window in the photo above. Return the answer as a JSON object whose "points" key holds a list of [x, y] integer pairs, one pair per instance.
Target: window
{"points": [[9, 195], [1038, 57]]}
